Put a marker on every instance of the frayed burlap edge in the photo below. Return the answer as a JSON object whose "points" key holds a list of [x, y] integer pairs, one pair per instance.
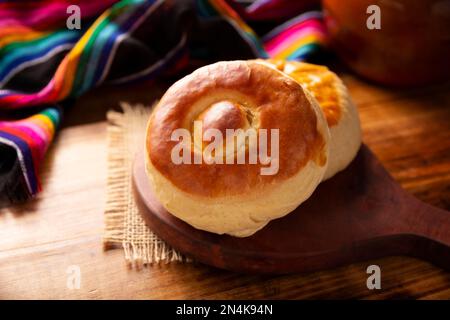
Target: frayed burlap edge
{"points": [[123, 224]]}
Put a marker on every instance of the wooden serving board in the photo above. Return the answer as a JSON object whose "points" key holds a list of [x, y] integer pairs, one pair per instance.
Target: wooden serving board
{"points": [[359, 214]]}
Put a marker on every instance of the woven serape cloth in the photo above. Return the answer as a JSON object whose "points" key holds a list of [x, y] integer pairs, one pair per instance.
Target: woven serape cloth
{"points": [[44, 64]]}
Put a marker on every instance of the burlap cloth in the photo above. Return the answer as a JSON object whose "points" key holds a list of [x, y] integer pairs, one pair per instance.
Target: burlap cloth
{"points": [[124, 227]]}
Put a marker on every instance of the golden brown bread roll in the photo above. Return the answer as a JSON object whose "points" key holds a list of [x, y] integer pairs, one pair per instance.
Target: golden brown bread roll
{"points": [[337, 106], [236, 199]]}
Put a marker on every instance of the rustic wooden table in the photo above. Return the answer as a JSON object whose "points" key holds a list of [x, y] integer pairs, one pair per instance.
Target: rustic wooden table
{"points": [[40, 240]]}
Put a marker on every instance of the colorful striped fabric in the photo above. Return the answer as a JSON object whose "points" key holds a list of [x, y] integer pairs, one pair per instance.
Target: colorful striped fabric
{"points": [[87, 63], [42, 63], [210, 8], [29, 139], [297, 38]]}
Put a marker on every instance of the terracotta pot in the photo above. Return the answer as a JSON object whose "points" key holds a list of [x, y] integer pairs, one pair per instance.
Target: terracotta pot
{"points": [[411, 48]]}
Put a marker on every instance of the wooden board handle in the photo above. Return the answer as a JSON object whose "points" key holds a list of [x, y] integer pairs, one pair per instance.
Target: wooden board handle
{"points": [[432, 226]]}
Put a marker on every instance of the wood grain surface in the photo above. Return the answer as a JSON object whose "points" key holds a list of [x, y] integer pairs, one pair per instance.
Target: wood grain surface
{"points": [[408, 130], [361, 213]]}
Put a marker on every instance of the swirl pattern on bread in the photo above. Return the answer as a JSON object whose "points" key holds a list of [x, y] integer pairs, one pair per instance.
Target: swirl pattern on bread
{"points": [[235, 198]]}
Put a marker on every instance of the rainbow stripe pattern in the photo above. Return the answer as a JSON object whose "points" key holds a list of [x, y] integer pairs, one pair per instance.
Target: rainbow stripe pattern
{"points": [[43, 64], [30, 138], [297, 38]]}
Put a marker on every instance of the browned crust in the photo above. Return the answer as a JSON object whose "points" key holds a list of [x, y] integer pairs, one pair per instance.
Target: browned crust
{"points": [[279, 102], [326, 90]]}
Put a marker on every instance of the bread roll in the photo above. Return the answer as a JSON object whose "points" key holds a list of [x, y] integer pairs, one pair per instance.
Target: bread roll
{"points": [[236, 199], [335, 102]]}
